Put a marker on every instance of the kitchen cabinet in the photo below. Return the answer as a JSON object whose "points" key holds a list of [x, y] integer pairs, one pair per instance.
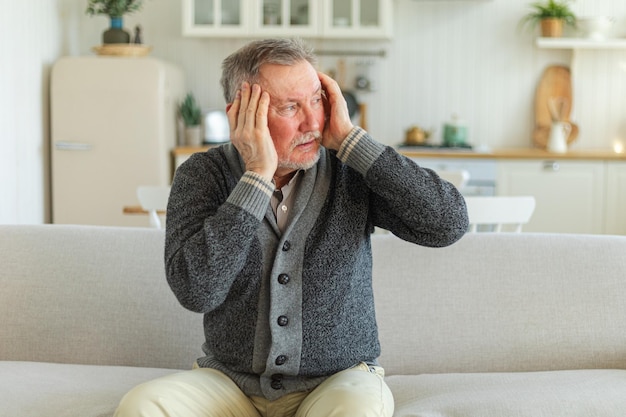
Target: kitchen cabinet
{"points": [[215, 17], [356, 19], [482, 172], [570, 195], [615, 222], [284, 17]]}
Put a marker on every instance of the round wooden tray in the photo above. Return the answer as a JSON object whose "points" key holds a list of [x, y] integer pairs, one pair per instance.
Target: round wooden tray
{"points": [[122, 49]]}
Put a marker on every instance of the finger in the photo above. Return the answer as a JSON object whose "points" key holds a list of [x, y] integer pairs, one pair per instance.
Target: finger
{"points": [[245, 99], [330, 86], [233, 111], [253, 104], [262, 109], [336, 101]]}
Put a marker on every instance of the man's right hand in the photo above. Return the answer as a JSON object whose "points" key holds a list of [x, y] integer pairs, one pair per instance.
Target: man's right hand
{"points": [[249, 133]]}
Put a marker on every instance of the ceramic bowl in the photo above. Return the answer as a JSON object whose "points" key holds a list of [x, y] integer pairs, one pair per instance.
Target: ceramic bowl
{"points": [[595, 27]]}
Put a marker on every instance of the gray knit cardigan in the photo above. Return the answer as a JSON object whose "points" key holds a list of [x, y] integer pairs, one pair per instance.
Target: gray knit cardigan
{"points": [[283, 312]]}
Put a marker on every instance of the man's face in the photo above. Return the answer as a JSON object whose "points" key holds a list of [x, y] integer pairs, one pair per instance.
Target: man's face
{"points": [[296, 113]]}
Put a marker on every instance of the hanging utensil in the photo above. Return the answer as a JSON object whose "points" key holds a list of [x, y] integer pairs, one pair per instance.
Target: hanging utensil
{"points": [[558, 106], [363, 115], [351, 101]]}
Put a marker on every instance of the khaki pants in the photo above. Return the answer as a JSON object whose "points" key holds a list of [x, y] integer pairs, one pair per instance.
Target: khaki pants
{"points": [[202, 392]]}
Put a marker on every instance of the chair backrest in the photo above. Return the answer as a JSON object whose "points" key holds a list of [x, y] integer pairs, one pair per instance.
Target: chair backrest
{"points": [[457, 178], [153, 199], [497, 211]]}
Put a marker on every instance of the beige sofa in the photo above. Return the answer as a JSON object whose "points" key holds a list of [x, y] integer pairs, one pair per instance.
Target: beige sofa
{"points": [[522, 325]]}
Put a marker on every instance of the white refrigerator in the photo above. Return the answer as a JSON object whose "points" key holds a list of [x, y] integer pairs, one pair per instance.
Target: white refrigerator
{"points": [[113, 126]]}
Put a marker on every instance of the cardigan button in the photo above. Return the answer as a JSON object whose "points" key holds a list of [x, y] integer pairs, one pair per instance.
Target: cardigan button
{"points": [[286, 246], [280, 360], [283, 279], [277, 381], [282, 321]]}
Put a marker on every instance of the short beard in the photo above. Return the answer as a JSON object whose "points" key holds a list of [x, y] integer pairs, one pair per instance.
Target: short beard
{"points": [[307, 164]]}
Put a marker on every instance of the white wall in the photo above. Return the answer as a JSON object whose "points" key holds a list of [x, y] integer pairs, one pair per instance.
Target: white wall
{"points": [[29, 43], [464, 57], [467, 57]]}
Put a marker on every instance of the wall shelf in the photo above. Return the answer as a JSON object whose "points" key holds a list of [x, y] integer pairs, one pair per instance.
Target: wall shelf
{"points": [[581, 43]]}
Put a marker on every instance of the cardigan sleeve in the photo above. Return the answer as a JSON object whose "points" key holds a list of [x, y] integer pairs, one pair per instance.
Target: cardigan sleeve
{"points": [[212, 219], [412, 202]]}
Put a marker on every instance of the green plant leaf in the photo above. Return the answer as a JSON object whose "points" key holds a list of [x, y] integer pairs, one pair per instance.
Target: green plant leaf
{"points": [[113, 8], [557, 9], [190, 111]]}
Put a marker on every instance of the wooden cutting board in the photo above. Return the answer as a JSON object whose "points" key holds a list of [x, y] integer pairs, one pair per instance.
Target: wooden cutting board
{"points": [[554, 89]]}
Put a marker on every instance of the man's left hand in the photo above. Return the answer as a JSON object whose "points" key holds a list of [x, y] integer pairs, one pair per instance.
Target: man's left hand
{"points": [[338, 124]]}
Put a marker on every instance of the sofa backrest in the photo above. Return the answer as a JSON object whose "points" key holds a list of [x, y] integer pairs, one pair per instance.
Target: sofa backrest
{"points": [[91, 295], [490, 302], [496, 302]]}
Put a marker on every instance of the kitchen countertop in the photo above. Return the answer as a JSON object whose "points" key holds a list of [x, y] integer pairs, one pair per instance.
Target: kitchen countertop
{"points": [[188, 150], [502, 153], [514, 153]]}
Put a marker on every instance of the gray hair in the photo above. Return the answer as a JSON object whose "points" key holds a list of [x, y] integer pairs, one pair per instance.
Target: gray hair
{"points": [[244, 64]]}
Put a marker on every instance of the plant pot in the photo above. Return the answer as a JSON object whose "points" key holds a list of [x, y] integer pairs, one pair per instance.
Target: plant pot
{"points": [[193, 135], [552, 28], [116, 33]]}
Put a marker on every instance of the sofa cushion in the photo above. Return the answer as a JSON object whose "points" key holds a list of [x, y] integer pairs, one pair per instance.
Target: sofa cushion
{"points": [[35, 389], [63, 390], [579, 393]]}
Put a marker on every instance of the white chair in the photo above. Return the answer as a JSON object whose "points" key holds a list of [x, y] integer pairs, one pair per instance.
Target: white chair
{"points": [[499, 211], [153, 199], [457, 178]]}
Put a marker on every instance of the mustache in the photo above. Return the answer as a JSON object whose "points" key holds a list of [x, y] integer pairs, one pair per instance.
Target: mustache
{"points": [[307, 137]]}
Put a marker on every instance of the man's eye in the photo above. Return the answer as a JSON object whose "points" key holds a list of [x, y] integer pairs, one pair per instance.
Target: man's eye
{"points": [[290, 109]]}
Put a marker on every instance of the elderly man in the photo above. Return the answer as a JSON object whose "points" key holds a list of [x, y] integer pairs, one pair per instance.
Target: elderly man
{"points": [[269, 237]]}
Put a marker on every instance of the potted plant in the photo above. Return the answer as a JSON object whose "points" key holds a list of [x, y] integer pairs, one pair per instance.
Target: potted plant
{"points": [[551, 15], [191, 114], [115, 9]]}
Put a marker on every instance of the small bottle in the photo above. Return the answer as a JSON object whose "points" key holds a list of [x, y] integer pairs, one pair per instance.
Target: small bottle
{"points": [[138, 37]]}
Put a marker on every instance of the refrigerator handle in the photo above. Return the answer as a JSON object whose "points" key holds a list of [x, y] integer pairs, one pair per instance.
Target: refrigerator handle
{"points": [[72, 146]]}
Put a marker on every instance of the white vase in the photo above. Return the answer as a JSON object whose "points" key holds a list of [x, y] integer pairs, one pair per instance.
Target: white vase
{"points": [[559, 132], [193, 135]]}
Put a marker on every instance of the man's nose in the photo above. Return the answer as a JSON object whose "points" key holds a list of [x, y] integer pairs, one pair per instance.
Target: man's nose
{"points": [[310, 119]]}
